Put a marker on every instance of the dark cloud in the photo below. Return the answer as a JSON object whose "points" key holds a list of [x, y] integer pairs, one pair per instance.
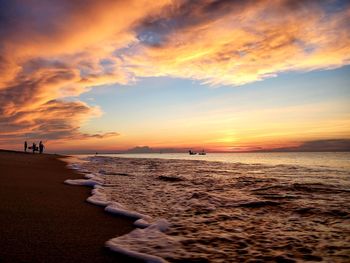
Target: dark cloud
{"points": [[98, 135], [29, 110], [35, 84], [331, 145], [182, 15], [28, 18], [52, 120]]}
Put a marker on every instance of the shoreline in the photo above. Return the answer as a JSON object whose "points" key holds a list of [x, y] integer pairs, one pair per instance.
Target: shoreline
{"points": [[44, 220]]}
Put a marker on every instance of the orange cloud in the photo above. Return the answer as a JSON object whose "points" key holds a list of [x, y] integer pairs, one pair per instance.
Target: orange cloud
{"points": [[52, 51], [237, 43]]}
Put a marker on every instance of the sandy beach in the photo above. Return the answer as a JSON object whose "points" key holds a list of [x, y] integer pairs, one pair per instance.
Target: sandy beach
{"points": [[44, 220]]}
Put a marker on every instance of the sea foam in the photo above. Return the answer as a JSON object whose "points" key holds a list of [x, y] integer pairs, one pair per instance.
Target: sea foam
{"points": [[149, 232], [197, 211]]}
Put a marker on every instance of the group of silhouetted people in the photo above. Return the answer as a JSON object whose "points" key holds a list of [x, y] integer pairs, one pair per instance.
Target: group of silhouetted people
{"points": [[34, 148]]}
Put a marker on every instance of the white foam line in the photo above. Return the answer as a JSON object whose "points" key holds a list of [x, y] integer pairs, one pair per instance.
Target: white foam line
{"points": [[141, 223], [86, 182], [153, 231], [119, 209], [73, 166], [146, 257], [98, 197], [89, 176]]}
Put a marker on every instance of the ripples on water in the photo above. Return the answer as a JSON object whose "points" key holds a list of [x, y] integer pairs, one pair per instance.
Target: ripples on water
{"points": [[338, 160], [228, 212]]}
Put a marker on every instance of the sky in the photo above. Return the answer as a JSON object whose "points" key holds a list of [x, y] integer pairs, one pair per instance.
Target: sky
{"points": [[220, 75]]}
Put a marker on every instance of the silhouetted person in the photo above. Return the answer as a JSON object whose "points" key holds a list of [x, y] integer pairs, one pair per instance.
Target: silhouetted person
{"points": [[34, 147], [41, 147], [25, 146]]}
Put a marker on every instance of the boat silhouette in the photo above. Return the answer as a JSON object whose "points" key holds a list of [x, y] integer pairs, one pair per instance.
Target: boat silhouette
{"points": [[199, 153], [202, 152]]}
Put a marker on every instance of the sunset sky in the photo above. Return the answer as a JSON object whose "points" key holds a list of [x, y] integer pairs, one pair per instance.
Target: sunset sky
{"points": [[223, 75]]}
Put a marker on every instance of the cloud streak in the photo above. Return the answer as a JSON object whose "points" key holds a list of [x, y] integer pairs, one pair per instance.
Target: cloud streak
{"points": [[227, 42], [51, 52]]}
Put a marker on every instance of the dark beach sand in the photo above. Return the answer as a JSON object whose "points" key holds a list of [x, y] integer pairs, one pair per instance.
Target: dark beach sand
{"points": [[44, 220]]}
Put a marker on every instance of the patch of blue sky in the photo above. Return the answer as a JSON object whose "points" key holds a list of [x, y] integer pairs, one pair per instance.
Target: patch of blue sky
{"points": [[163, 98]]}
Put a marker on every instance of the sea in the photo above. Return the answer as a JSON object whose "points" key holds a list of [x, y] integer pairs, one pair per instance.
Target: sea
{"points": [[225, 207]]}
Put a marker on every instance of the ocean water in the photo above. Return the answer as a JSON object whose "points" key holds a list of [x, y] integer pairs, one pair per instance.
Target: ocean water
{"points": [[338, 160], [264, 207]]}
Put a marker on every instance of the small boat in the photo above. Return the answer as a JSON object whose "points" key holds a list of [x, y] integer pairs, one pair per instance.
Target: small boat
{"points": [[202, 153], [191, 153]]}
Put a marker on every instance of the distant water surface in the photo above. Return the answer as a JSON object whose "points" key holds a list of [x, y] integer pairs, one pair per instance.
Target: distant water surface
{"points": [[338, 160]]}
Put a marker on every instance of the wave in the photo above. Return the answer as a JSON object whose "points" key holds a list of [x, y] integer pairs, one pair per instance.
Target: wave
{"points": [[197, 211]]}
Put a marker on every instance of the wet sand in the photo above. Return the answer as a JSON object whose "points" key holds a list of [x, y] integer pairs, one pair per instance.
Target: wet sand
{"points": [[44, 220]]}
